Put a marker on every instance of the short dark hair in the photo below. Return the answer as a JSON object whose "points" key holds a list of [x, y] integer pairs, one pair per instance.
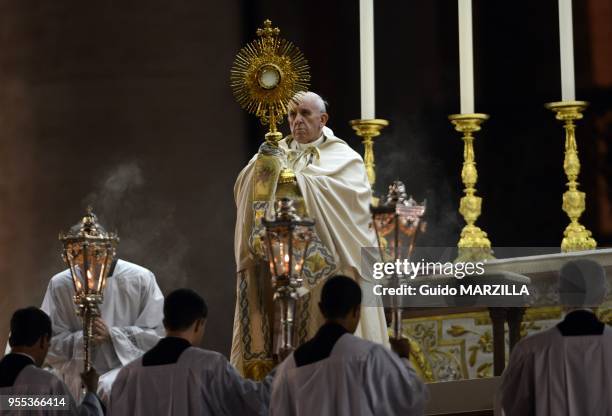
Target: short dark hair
{"points": [[182, 308], [340, 295], [28, 325]]}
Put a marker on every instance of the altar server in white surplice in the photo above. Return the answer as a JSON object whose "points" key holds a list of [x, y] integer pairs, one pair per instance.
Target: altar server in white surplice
{"points": [[21, 375], [337, 373], [177, 378], [130, 324], [565, 370]]}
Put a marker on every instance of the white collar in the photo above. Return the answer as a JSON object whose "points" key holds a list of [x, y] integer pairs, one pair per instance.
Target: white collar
{"points": [[326, 132], [316, 143]]}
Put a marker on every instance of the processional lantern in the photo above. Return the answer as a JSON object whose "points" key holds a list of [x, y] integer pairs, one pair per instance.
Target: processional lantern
{"points": [[88, 250], [397, 222], [287, 239]]}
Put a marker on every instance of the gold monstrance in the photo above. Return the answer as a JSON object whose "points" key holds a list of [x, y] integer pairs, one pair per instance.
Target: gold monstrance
{"points": [[266, 74]]}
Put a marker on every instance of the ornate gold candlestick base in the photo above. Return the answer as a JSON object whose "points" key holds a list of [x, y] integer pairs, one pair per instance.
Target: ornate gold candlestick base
{"points": [[575, 237], [368, 129], [474, 244]]}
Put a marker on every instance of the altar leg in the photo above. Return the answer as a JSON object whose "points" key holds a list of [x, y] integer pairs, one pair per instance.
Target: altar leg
{"points": [[515, 318], [498, 319]]}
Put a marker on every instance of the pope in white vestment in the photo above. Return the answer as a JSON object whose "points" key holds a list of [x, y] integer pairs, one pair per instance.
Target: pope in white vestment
{"points": [[333, 189], [565, 370], [132, 312]]}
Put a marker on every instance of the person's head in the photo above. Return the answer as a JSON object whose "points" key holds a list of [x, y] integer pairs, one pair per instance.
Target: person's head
{"points": [[307, 116], [341, 302], [31, 333], [185, 315], [582, 283]]}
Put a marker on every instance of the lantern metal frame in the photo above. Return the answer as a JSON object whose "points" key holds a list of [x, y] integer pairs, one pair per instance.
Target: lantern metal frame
{"points": [[399, 214], [290, 254], [88, 250]]}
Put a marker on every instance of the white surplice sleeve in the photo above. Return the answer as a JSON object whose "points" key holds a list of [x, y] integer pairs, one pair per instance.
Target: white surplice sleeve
{"points": [[130, 342], [90, 406], [35, 381], [281, 400], [393, 386], [240, 396], [67, 340], [66, 352], [516, 393]]}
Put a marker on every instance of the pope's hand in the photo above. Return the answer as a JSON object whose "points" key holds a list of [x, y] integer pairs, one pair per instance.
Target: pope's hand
{"points": [[268, 149]]}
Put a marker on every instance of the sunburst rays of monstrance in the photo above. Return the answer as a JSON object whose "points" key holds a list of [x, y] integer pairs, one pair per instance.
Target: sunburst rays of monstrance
{"points": [[266, 74]]}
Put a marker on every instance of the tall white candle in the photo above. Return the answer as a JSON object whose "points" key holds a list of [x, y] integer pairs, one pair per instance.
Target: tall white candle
{"points": [[466, 58], [366, 37], [566, 38]]}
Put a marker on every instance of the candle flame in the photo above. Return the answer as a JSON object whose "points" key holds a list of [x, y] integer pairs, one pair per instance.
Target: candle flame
{"points": [[90, 282], [286, 266]]}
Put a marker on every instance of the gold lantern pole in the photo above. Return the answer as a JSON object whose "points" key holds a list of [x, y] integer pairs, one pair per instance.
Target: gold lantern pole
{"points": [[575, 237], [474, 243], [88, 250]]}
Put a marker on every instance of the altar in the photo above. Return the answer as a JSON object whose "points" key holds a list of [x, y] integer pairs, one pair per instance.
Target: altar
{"points": [[469, 342]]}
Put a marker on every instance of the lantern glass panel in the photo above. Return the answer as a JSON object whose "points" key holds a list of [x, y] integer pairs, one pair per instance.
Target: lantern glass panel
{"points": [[89, 264], [302, 234], [396, 231], [278, 250], [287, 244]]}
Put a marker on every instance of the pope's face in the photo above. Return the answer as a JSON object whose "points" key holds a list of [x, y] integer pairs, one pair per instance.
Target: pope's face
{"points": [[306, 120]]}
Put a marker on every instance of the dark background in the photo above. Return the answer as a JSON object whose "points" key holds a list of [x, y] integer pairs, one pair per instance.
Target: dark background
{"points": [[127, 106]]}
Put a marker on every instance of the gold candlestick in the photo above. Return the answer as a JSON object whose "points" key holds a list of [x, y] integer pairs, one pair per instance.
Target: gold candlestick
{"points": [[575, 237], [368, 129], [474, 244]]}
